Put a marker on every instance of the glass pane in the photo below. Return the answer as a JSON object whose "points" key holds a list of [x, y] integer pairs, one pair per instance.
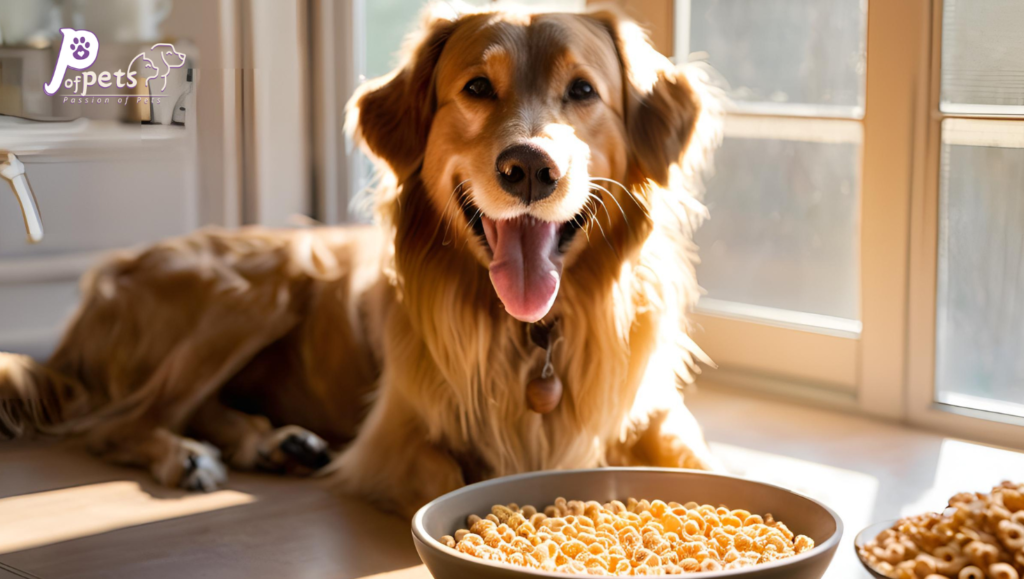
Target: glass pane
{"points": [[784, 205], [786, 52], [980, 316], [982, 55]]}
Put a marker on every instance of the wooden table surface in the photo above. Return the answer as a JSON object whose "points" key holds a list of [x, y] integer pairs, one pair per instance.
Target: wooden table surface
{"points": [[64, 514]]}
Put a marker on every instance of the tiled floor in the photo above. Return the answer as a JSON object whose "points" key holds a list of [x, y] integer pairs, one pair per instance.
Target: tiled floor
{"points": [[64, 514]]}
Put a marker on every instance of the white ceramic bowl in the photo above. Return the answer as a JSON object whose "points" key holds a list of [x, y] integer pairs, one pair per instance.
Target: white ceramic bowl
{"points": [[446, 514]]}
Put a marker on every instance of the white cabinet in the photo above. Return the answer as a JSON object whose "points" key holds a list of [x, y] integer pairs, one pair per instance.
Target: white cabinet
{"points": [[99, 185]]}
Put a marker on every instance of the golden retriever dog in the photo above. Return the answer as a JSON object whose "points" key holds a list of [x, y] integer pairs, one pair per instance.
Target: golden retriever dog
{"points": [[540, 178]]}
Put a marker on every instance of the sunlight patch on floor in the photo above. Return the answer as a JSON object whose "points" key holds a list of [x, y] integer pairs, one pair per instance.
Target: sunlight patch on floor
{"points": [[417, 572], [50, 517], [966, 467], [849, 493]]}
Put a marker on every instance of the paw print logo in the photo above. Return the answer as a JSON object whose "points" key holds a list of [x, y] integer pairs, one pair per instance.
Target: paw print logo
{"points": [[80, 48]]}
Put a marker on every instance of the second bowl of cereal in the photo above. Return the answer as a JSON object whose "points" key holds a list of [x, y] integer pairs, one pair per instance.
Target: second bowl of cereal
{"points": [[625, 521]]}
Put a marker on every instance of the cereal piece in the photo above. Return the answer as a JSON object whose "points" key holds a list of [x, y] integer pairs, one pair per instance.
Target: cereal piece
{"points": [[950, 562], [517, 559], [971, 572], [981, 554], [924, 565], [730, 520], [1013, 499], [905, 570], [1011, 534], [710, 565], [690, 565], [1003, 571], [753, 520]]}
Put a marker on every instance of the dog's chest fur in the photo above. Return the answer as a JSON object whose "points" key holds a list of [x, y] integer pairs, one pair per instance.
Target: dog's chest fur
{"points": [[465, 370]]}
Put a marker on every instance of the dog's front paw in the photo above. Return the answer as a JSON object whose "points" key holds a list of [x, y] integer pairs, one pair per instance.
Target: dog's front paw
{"points": [[294, 450], [398, 480], [196, 466], [677, 453]]}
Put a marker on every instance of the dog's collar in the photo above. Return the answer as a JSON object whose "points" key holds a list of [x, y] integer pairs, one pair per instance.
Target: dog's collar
{"points": [[543, 334], [544, 393]]}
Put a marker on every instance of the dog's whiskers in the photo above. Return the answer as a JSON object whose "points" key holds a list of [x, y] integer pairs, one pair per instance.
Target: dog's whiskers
{"points": [[470, 225], [591, 195], [582, 226], [594, 220], [614, 200], [451, 215], [643, 207]]}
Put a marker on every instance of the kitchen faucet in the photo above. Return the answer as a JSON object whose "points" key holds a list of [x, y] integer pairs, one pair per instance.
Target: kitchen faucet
{"points": [[13, 170]]}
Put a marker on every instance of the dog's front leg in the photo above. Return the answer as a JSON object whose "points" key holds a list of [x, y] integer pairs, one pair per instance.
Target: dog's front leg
{"points": [[660, 430], [392, 461], [666, 437]]}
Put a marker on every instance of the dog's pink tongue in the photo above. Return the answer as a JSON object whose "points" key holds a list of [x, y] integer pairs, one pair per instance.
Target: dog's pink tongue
{"points": [[526, 268]]}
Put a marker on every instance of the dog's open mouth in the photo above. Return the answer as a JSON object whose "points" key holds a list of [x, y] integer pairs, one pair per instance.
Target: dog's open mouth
{"points": [[526, 264]]}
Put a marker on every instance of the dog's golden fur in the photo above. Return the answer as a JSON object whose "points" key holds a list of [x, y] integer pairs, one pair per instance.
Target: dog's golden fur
{"points": [[391, 340]]}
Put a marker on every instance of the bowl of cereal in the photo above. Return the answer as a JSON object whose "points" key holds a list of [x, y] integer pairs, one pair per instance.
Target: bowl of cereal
{"points": [[625, 521], [977, 536]]}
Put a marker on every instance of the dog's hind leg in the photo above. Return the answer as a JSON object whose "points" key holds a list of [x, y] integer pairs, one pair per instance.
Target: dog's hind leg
{"points": [[249, 441], [143, 429], [173, 460]]}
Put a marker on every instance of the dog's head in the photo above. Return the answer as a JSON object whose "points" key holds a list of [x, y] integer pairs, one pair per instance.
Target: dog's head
{"points": [[170, 55], [526, 128]]}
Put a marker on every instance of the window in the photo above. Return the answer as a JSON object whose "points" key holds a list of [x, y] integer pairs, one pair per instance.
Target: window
{"points": [[980, 287], [980, 313], [866, 241], [780, 255], [967, 280]]}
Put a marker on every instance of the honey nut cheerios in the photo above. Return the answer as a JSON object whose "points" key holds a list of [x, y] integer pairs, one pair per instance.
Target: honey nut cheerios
{"points": [[635, 538], [978, 536]]}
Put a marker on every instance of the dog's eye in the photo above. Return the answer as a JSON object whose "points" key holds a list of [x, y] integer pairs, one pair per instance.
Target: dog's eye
{"points": [[480, 87], [581, 90]]}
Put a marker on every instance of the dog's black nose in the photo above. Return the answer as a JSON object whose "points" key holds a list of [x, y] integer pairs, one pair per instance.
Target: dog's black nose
{"points": [[527, 172]]}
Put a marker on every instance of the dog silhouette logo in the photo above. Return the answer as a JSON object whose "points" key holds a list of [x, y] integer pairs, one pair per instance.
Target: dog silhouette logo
{"points": [[78, 51], [157, 62]]}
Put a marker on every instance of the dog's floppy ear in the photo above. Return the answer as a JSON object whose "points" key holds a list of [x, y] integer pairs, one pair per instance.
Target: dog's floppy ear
{"points": [[662, 105], [391, 115]]}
